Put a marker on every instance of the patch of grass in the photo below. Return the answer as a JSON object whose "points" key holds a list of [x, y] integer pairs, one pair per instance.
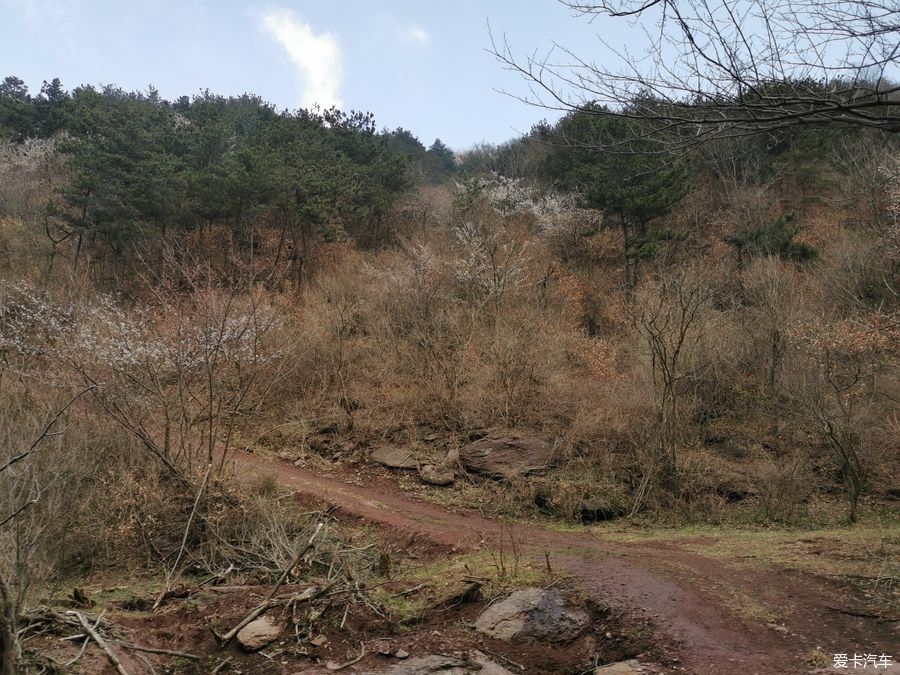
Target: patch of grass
{"points": [[132, 595], [865, 550], [818, 659]]}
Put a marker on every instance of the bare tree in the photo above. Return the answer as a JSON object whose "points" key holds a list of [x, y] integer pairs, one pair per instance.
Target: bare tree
{"points": [[671, 317], [25, 491], [717, 68]]}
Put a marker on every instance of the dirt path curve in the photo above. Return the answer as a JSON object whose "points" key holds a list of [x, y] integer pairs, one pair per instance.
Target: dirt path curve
{"points": [[680, 592]]}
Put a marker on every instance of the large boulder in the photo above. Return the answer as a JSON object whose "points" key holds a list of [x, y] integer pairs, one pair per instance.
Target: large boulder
{"points": [[394, 458], [507, 456], [533, 615], [257, 634]]}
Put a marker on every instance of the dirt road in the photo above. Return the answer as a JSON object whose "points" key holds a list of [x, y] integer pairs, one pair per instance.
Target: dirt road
{"points": [[705, 610]]}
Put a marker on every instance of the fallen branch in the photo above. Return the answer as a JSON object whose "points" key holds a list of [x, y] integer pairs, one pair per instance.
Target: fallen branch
{"points": [[295, 561], [100, 642], [309, 594], [224, 662], [155, 650], [341, 666], [410, 591], [269, 602], [87, 640], [863, 615]]}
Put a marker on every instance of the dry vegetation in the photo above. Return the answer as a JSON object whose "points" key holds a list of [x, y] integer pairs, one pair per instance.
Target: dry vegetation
{"points": [[724, 390]]}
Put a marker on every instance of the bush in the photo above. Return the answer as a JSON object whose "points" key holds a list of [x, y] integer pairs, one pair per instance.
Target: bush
{"points": [[776, 239]]}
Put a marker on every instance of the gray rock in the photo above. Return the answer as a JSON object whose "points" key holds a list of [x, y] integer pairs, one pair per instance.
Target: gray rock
{"points": [[475, 663], [435, 476], [446, 665], [533, 615], [488, 667], [507, 457], [620, 668], [394, 458], [257, 634]]}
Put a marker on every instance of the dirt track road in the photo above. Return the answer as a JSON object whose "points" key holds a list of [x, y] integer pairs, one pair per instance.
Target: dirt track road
{"points": [[697, 604]]}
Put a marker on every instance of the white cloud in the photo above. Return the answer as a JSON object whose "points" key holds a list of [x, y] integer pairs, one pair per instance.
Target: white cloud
{"points": [[317, 58], [416, 35]]}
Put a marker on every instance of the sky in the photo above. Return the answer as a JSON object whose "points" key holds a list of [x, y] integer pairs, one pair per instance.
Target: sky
{"points": [[421, 65]]}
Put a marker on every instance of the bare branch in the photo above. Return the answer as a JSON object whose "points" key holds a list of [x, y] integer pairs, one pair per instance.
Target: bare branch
{"points": [[46, 431], [728, 68]]}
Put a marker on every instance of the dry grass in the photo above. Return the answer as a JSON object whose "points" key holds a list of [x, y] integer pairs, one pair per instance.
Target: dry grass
{"points": [[475, 319]]}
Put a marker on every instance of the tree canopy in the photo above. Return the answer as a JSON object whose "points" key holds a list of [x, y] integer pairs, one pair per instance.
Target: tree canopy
{"points": [[140, 165]]}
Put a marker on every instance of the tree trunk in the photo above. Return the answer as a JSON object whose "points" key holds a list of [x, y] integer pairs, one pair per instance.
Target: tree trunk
{"points": [[78, 250], [630, 271], [7, 634]]}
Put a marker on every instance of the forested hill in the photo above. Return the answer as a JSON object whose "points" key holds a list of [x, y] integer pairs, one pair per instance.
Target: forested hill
{"points": [[140, 165]]}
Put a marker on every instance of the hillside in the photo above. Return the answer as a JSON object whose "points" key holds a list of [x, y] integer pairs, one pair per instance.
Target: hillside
{"points": [[288, 363]]}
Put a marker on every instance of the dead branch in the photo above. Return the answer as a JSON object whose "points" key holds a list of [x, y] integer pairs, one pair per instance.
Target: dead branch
{"points": [[309, 594], [295, 561], [46, 431], [341, 666], [187, 529], [410, 591], [87, 641], [714, 69], [100, 641], [863, 615], [224, 662], [155, 650], [19, 510]]}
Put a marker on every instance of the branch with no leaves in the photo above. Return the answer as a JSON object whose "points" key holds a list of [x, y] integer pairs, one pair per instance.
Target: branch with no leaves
{"points": [[719, 69], [89, 629], [46, 431], [308, 594], [187, 530]]}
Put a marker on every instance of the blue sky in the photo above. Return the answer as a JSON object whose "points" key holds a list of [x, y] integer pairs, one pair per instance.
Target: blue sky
{"points": [[421, 65]]}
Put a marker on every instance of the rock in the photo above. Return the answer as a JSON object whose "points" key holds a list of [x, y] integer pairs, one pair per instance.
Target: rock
{"points": [[507, 457], [257, 634], [533, 615], [622, 668], [488, 667], [435, 476], [598, 510], [447, 665], [394, 458], [401, 654], [383, 647], [452, 458], [474, 664]]}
